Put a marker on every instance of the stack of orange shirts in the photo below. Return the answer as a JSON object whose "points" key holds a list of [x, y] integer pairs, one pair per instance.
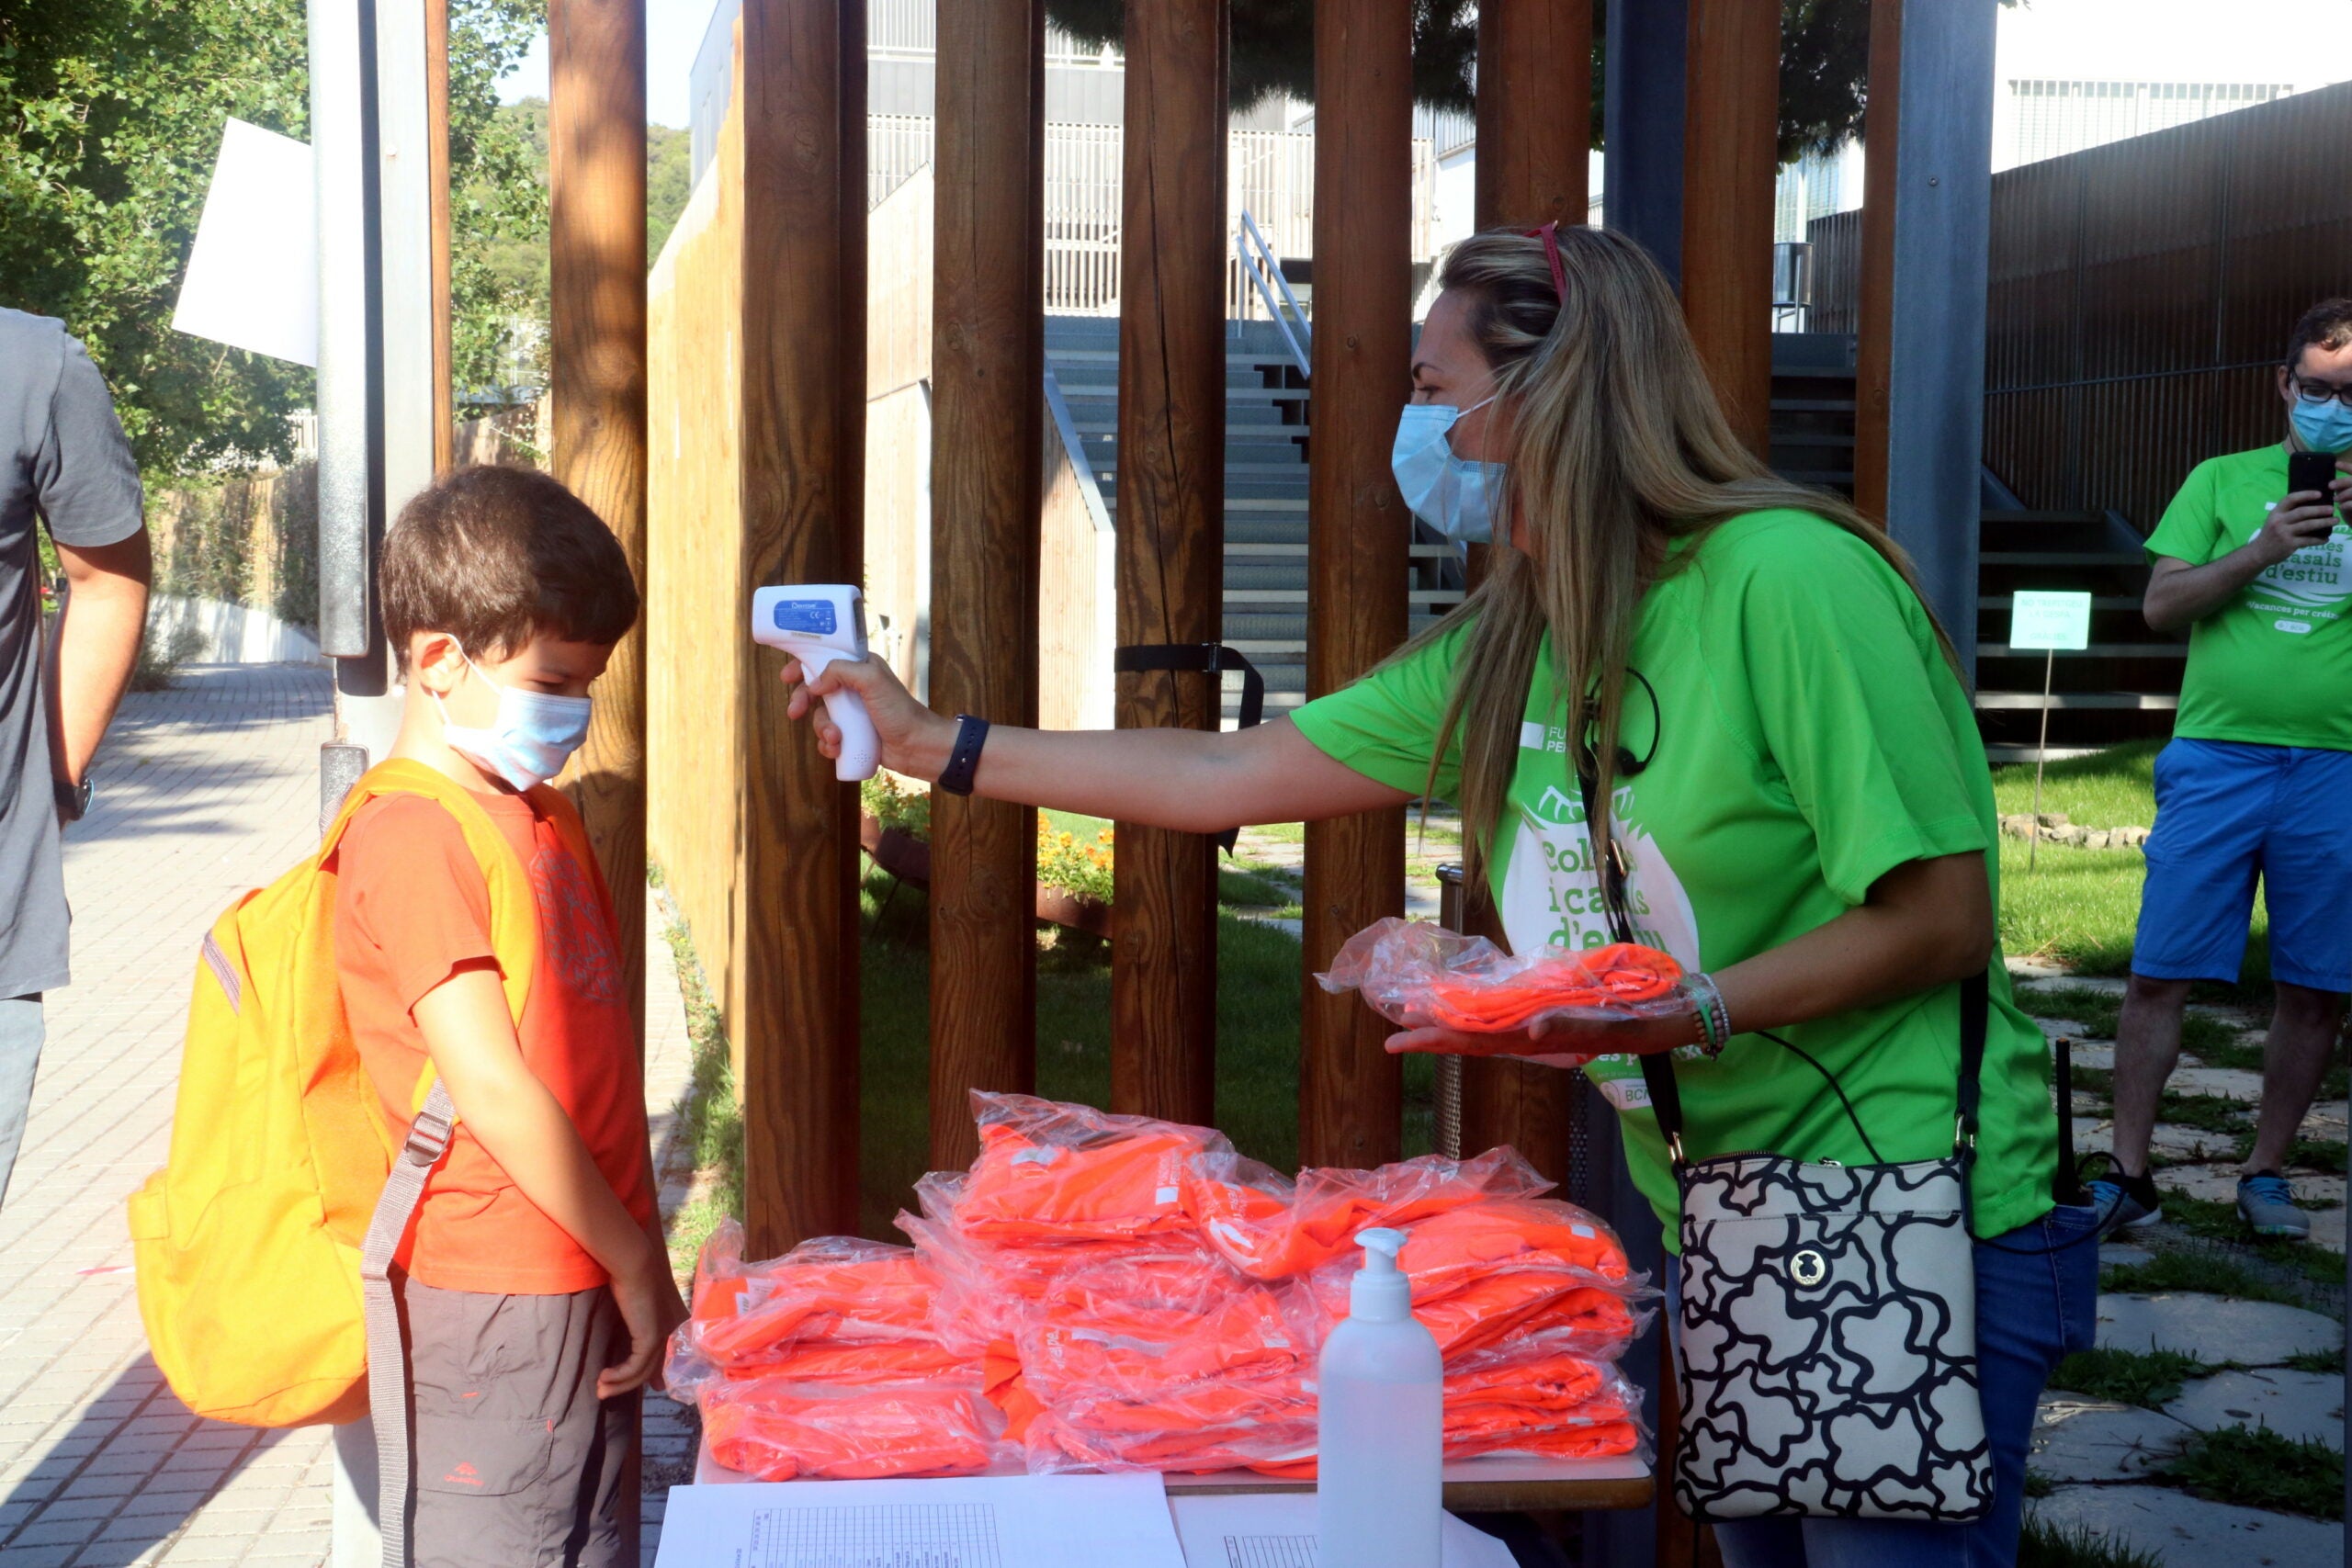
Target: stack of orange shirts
{"points": [[824, 1362], [1114, 1292]]}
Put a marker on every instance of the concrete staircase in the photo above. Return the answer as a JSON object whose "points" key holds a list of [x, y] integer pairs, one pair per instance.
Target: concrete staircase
{"points": [[1266, 415]]}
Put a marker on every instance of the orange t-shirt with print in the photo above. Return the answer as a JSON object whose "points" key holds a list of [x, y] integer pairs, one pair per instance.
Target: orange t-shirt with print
{"points": [[412, 908]]}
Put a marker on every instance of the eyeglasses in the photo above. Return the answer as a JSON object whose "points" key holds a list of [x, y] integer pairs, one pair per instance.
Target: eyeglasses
{"points": [[2319, 392]]}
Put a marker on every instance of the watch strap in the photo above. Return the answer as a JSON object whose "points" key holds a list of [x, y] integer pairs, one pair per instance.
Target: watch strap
{"points": [[963, 758]]}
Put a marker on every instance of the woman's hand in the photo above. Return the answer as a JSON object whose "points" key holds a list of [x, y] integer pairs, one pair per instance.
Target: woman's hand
{"points": [[1559, 1043], [915, 741]]}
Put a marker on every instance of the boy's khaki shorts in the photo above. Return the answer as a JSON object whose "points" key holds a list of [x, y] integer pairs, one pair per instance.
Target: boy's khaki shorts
{"points": [[517, 1462]]}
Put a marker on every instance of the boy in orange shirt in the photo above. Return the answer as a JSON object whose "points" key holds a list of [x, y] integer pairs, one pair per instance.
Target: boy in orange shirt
{"points": [[535, 1288]]}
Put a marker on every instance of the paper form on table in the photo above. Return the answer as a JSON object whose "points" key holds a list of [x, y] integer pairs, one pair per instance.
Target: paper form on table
{"points": [[1023, 1521], [1276, 1529]]}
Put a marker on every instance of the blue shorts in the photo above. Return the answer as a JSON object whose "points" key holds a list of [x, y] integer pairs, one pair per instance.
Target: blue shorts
{"points": [[2226, 813]]}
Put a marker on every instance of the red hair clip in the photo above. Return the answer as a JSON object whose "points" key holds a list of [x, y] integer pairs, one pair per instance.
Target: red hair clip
{"points": [[1550, 235]]}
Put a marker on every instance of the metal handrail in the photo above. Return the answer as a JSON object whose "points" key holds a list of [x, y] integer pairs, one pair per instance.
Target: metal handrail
{"points": [[1090, 485], [1267, 274]]}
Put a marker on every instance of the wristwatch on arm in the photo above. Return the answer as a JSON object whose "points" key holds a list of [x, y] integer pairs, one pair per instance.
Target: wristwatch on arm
{"points": [[72, 799]]}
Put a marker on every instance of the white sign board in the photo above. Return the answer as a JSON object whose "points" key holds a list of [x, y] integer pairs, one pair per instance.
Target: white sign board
{"points": [[2039, 621], [253, 275]]}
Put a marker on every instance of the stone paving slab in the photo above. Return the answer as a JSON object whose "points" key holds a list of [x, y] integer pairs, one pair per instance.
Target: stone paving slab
{"points": [[2253, 1333], [2292, 1404], [2081, 1439], [204, 790], [2175, 1527], [2219, 1183]]}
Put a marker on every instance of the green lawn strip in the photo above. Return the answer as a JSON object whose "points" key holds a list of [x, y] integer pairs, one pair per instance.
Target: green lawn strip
{"points": [[2328, 1361], [1241, 888], [2197, 1270], [2255, 1467], [2305, 1153], [2149, 1378], [2114, 787], [713, 1121], [2076, 1546], [2206, 1113], [2211, 1218], [2215, 1042]]}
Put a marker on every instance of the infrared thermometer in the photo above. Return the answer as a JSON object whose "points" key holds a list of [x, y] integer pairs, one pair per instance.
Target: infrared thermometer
{"points": [[817, 622]]}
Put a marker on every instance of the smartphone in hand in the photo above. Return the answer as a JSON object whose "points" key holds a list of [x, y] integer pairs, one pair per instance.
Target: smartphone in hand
{"points": [[2310, 470]]}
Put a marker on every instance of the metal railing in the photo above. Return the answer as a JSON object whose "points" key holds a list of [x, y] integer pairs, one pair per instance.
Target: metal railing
{"points": [[1265, 271]]}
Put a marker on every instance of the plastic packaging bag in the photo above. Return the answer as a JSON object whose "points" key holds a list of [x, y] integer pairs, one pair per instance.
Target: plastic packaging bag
{"points": [[1420, 975], [1450, 1251], [775, 1430], [1271, 1228], [1135, 1330], [1550, 1407], [1054, 1173], [1222, 1424]]}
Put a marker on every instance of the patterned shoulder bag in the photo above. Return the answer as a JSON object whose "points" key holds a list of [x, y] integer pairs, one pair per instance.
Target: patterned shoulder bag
{"points": [[1826, 1345]]}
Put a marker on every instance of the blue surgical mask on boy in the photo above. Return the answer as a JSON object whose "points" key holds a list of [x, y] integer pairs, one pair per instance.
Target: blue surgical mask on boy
{"points": [[2325, 427], [1452, 494], [529, 742]]}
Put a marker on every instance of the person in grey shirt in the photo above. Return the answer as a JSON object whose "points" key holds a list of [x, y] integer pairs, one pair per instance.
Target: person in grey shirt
{"points": [[63, 462]]}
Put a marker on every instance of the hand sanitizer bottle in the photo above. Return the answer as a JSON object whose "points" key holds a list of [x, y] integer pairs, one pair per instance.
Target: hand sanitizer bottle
{"points": [[1379, 1498]]}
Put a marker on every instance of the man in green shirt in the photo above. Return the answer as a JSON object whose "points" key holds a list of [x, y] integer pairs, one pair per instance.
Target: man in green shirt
{"points": [[2256, 780]]}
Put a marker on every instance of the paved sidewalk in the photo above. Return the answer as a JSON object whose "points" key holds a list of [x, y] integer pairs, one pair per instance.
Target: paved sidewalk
{"points": [[203, 790]]}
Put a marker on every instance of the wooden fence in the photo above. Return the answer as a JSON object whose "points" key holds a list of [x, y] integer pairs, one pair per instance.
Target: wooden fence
{"points": [[2140, 296]]}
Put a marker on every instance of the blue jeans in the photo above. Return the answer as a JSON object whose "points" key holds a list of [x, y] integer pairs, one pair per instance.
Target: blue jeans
{"points": [[2031, 1312], [20, 1038]]}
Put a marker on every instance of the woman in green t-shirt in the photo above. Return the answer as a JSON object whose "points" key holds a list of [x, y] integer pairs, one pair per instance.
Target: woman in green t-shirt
{"points": [[1795, 783]]}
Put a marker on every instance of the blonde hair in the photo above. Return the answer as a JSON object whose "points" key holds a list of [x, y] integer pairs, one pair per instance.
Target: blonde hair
{"points": [[1616, 448]]}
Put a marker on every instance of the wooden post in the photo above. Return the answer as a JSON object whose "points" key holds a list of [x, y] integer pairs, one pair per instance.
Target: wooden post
{"points": [[1171, 537], [1534, 140], [1350, 1088], [1875, 339], [436, 155], [597, 354], [802, 445], [1730, 153], [987, 403], [1534, 112]]}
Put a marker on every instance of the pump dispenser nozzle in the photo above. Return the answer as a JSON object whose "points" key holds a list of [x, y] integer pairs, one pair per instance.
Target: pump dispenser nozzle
{"points": [[1380, 1291]]}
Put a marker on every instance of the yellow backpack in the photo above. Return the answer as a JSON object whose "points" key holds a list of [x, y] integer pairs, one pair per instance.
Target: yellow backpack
{"points": [[249, 1242]]}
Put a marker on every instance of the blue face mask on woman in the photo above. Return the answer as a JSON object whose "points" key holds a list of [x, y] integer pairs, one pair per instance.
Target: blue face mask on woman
{"points": [[1452, 494], [2325, 427], [529, 742]]}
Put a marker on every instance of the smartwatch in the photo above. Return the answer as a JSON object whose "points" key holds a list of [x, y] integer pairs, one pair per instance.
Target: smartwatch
{"points": [[963, 760], [72, 799]]}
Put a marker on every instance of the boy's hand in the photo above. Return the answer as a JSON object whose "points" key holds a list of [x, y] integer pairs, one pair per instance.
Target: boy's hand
{"points": [[647, 1296]]}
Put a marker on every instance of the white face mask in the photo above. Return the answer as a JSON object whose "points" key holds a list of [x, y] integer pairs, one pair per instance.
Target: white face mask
{"points": [[529, 742], [1452, 494]]}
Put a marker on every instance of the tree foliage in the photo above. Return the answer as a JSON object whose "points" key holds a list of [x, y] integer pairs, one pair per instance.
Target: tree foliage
{"points": [[110, 120], [1825, 58]]}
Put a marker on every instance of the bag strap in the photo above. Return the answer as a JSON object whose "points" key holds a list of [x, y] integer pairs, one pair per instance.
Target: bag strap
{"points": [[1658, 1067], [429, 1136], [1199, 659]]}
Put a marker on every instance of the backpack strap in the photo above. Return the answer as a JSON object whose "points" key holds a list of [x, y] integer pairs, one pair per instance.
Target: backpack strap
{"points": [[433, 1120]]}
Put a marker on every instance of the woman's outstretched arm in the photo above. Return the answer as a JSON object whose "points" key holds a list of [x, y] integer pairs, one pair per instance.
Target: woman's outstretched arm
{"points": [[1192, 780]]}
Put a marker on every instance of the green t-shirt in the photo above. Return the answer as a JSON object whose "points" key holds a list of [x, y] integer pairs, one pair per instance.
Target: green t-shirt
{"points": [[2274, 665], [1809, 738]]}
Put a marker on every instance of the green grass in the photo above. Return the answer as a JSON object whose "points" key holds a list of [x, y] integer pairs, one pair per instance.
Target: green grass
{"points": [[2076, 1546], [2212, 1218], [1240, 888], [2185, 1271], [2113, 788], [2305, 1153], [713, 1121], [2257, 1467], [2328, 1361], [2206, 1113], [2213, 1041], [2150, 1378]]}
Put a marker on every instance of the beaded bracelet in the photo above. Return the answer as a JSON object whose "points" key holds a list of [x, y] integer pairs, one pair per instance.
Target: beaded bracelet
{"points": [[1714, 1017]]}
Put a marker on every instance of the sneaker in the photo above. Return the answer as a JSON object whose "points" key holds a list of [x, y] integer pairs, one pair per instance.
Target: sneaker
{"points": [[2125, 1202], [2266, 1203]]}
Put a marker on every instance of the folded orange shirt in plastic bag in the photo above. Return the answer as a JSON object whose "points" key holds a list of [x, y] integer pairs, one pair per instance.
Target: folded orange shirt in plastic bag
{"points": [[773, 1429], [1049, 1172], [1446, 1252], [1271, 1228], [1222, 1423]]}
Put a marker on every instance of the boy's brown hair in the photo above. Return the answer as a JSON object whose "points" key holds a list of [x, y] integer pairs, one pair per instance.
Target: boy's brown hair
{"points": [[2328, 324], [498, 555]]}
